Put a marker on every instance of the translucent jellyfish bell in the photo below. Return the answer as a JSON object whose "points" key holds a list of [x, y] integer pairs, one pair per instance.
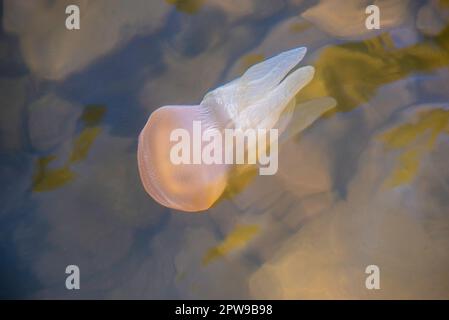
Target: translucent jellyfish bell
{"points": [[254, 101], [186, 187]]}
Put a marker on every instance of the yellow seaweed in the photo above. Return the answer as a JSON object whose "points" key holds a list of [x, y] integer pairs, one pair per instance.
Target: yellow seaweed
{"points": [[83, 143], [238, 238], [413, 140], [239, 178], [187, 6], [406, 170], [46, 179], [352, 72], [299, 27], [93, 114]]}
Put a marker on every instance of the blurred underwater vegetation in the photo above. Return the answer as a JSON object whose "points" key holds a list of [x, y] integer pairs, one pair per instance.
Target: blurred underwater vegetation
{"points": [[413, 140], [187, 6], [47, 178], [352, 73], [236, 239]]}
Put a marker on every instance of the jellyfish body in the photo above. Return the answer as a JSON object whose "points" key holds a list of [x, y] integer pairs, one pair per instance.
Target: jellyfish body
{"points": [[186, 187], [263, 98]]}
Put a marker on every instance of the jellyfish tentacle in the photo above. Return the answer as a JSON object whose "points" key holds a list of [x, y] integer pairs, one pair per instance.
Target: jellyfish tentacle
{"points": [[305, 114], [229, 100], [266, 75], [265, 113]]}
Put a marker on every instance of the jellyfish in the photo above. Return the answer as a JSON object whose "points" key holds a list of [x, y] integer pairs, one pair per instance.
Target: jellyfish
{"points": [[262, 98]]}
